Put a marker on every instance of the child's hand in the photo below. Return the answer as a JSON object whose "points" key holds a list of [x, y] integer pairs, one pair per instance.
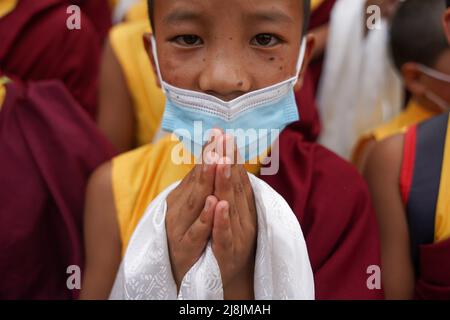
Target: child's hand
{"points": [[190, 216], [234, 230]]}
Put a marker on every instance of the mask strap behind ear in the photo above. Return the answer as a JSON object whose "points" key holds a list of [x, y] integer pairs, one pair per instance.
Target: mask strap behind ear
{"points": [[155, 57], [434, 73], [301, 58]]}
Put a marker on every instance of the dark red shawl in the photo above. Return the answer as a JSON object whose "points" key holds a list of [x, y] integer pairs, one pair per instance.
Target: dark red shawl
{"points": [[99, 12], [309, 124], [333, 206], [37, 45], [48, 149], [319, 17], [434, 280]]}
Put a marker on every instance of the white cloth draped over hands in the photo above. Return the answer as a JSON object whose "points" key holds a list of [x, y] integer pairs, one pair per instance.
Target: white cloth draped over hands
{"points": [[282, 266]]}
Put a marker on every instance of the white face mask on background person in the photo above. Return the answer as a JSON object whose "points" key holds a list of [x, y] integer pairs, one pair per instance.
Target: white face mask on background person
{"points": [[255, 119], [441, 103]]}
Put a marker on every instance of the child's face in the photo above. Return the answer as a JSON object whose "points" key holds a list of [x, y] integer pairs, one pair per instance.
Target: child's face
{"points": [[228, 48]]}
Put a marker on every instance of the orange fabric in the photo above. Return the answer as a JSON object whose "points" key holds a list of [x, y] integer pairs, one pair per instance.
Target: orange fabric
{"points": [[3, 81], [148, 100], [6, 6], [442, 224]]}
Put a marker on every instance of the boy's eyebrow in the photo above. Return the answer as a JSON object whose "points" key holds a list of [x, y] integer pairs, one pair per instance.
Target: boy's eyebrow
{"points": [[181, 15], [272, 15]]}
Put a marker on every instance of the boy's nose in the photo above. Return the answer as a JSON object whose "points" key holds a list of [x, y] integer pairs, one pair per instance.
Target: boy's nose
{"points": [[225, 78]]}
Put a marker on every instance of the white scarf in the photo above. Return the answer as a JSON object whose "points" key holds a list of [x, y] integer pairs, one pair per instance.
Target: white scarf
{"points": [[359, 88], [282, 267]]}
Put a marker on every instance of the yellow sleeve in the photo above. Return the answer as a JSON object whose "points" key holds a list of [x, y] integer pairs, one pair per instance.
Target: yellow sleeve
{"points": [[6, 6], [148, 100], [138, 177], [442, 223]]}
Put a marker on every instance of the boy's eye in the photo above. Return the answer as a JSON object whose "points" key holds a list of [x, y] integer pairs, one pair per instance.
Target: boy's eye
{"points": [[188, 40], [265, 40]]}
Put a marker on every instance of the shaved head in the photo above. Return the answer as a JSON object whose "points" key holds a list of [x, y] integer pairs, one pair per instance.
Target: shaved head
{"points": [[416, 33]]}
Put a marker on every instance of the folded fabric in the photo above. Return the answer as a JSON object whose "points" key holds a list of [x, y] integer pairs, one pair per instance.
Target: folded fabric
{"points": [[282, 267]]}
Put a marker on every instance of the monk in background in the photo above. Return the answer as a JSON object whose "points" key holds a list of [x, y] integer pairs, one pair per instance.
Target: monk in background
{"points": [[409, 173], [417, 46]]}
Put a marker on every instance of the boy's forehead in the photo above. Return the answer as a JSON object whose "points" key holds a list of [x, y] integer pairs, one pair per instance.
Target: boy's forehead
{"points": [[281, 11]]}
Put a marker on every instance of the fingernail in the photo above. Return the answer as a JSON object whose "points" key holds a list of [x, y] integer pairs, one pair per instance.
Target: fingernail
{"points": [[207, 205], [226, 213], [227, 171], [207, 162]]}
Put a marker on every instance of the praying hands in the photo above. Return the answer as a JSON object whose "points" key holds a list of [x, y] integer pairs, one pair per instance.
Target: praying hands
{"points": [[215, 201]]}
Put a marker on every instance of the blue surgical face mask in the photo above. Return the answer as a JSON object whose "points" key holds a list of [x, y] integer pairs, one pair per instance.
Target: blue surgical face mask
{"points": [[255, 119]]}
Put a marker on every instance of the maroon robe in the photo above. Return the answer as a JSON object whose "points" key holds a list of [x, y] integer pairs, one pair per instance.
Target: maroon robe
{"points": [[309, 124], [434, 280], [99, 12], [319, 17], [329, 198], [48, 149], [35, 44], [333, 206]]}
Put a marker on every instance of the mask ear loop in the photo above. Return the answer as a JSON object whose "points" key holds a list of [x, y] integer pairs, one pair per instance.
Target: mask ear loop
{"points": [[434, 73], [301, 58], [155, 57], [441, 103]]}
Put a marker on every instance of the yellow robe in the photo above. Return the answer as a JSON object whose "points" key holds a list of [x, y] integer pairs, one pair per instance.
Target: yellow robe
{"points": [[413, 114], [148, 100], [6, 6], [138, 12], [2, 91], [442, 222], [315, 4]]}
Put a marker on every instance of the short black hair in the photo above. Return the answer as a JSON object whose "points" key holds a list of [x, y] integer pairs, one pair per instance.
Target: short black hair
{"points": [[416, 33], [306, 14], [448, 3]]}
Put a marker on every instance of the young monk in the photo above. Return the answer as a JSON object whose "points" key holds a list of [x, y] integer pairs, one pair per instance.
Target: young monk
{"points": [[416, 61], [408, 176], [48, 149], [37, 45], [229, 50], [131, 105]]}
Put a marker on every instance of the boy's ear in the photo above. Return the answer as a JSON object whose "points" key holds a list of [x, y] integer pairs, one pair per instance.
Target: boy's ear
{"points": [[412, 79], [447, 24], [148, 47], [310, 43]]}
